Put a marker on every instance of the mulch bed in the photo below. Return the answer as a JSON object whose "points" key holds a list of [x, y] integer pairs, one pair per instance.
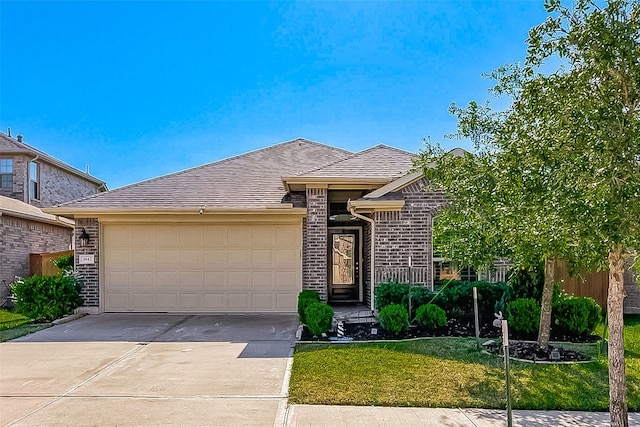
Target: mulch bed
{"points": [[524, 350]]}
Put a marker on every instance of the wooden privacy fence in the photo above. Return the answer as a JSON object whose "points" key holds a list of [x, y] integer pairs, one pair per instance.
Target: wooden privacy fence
{"points": [[41, 265], [594, 285]]}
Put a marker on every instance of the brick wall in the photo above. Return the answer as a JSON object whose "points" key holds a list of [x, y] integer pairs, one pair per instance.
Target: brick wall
{"points": [[314, 252], [59, 186], [20, 237], [408, 232], [90, 273]]}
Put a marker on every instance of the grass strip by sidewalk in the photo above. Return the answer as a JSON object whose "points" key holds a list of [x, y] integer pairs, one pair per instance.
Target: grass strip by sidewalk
{"points": [[9, 319], [14, 325], [450, 373]]}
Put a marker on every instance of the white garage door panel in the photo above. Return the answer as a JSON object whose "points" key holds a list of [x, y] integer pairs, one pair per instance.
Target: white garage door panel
{"points": [[194, 268]]}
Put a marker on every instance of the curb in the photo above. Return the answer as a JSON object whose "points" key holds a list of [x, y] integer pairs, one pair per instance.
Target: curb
{"points": [[68, 318]]}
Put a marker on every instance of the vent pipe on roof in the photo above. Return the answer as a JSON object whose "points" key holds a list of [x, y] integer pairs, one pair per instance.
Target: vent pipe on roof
{"points": [[9, 131], [19, 138], [86, 169]]}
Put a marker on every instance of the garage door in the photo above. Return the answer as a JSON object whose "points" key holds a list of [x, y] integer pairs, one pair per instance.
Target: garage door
{"points": [[201, 268]]}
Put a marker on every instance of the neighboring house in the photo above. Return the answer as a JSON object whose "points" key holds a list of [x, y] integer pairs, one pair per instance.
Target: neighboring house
{"points": [[25, 229], [34, 177], [246, 234], [29, 180]]}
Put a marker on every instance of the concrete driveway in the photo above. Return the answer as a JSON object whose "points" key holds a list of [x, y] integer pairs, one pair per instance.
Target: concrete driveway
{"points": [[137, 369]]}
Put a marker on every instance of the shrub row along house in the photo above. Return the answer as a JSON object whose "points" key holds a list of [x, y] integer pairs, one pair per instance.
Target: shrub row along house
{"points": [[29, 180]]}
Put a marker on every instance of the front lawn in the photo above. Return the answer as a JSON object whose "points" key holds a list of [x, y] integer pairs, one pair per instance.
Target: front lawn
{"points": [[450, 373]]}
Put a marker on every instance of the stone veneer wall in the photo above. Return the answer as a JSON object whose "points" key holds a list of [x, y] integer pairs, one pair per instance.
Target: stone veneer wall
{"points": [[90, 273], [314, 252], [408, 232], [19, 237]]}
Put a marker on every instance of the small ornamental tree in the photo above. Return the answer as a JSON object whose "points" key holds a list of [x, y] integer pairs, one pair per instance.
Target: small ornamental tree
{"points": [[557, 174]]}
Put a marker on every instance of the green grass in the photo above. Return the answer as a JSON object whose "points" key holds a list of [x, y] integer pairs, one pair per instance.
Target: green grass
{"points": [[14, 325], [9, 319], [449, 372]]}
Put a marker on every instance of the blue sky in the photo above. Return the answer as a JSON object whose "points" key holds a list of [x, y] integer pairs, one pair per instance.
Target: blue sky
{"points": [[142, 89]]}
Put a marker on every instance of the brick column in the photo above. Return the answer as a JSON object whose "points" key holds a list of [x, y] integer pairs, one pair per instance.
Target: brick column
{"points": [[89, 273], [314, 259]]}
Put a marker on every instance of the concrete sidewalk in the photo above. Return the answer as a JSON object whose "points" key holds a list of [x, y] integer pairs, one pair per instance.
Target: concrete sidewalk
{"points": [[375, 416]]}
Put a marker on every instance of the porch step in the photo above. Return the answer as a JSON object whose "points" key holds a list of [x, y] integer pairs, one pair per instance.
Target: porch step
{"points": [[357, 316]]}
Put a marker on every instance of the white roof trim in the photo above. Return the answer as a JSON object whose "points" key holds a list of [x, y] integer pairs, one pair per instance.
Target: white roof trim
{"points": [[395, 185]]}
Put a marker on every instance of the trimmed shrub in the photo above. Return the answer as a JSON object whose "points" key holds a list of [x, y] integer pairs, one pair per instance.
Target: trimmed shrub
{"points": [[46, 298], [419, 296], [457, 299], [576, 316], [394, 318], [431, 316], [524, 316], [390, 293], [319, 317], [306, 298]]}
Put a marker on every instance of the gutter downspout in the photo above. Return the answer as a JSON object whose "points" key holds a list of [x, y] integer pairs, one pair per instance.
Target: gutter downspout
{"points": [[372, 255]]}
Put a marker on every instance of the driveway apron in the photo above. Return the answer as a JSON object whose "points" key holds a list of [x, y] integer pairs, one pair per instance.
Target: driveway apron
{"points": [[137, 369]]}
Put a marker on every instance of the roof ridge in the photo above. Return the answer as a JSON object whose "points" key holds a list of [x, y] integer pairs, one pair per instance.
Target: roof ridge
{"points": [[354, 155]]}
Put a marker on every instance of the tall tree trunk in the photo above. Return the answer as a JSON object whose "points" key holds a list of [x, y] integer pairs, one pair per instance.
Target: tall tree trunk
{"points": [[544, 331], [615, 309]]}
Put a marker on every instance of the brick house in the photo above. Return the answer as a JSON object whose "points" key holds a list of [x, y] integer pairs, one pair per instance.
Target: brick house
{"points": [[29, 180], [246, 234]]}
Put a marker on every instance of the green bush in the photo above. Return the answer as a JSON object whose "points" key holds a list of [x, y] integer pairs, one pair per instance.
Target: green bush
{"points": [[319, 317], [419, 296], [575, 316], [394, 318], [457, 299], [389, 293], [398, 293], [431, 316], [64, 263], [524, 316], [46, 298], [525, 282], [306, 298]]}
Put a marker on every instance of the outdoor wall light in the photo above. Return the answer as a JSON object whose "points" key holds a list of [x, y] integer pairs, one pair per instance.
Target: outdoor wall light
{"points": [[84, 238]]}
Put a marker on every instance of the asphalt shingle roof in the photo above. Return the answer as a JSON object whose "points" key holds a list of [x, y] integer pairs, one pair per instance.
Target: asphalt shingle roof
{"points": [[248, 181], [20, 209], [381, 161]]}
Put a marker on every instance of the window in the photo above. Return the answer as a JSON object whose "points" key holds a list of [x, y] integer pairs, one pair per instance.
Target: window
{"points": [[6, 174], [34, 181]]}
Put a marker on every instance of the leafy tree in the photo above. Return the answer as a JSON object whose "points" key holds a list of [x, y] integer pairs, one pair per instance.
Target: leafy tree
{"points": [[557, 174]]}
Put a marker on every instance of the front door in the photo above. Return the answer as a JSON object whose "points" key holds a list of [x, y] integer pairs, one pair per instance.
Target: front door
{"points": [[344, 265]]}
